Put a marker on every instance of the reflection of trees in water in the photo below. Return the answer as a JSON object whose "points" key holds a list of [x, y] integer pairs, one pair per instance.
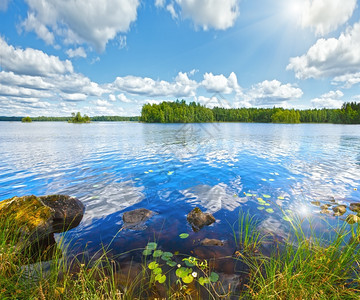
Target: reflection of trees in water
{"points": [[213, 198]]}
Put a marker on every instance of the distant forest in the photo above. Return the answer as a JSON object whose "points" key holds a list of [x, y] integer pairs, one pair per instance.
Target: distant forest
{"points": [[66, 119], [181, 112]]}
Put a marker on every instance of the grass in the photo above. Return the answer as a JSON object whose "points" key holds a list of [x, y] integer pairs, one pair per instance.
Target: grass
{"points": [[305, 266]]}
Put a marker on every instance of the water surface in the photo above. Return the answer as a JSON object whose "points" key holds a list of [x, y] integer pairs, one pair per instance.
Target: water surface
{"points": [[172, 168]]}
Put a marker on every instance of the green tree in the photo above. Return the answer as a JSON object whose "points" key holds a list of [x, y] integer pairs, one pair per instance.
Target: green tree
{"points": [[26, 120]]}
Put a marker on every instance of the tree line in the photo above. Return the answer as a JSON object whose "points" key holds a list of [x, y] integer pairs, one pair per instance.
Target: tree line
{"points": [[181, 112], [66, 119]]}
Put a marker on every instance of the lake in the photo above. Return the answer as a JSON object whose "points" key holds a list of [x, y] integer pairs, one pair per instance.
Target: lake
{"points": [[172, 168]]}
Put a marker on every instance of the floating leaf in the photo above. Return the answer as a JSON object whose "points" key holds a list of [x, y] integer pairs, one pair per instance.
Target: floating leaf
{"points": [[157, 271], [248, 195], [287, 218], [261, 207], [267, 204], [214, 277], [161, 278], [260, 199], [263, 179], [277, 174], [188, 279], [151, 246], [269, 210], [153, 265], [266, 196], [203, 280], [281, 198], [151, 171], [271, 179], [183, 272], [146, 172], [189, 264], [171, 263], [147, 252], [166, 255], [137, 178], [170, 172], [184, 235], [157, 253]]}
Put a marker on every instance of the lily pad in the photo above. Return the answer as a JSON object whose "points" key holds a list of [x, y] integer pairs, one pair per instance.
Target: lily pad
{"points": [[166, 256], [147, 252], [171, 263], [266, 196], [157, 253], [157, 271], [170, 172], [269, 210], [203, 280], [281, 198], [161, 278], [187, 279], [261, 207], [214, 277], [184, 235], [263, 179], [248, 195], [153, 265], [271, 179], [183, 272], [151, 246]]}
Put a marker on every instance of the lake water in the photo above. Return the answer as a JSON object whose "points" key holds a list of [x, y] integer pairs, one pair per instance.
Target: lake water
{"points": [[172, 168]]}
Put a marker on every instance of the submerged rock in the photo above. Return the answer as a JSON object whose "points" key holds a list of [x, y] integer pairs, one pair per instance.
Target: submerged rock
{"points": [[339, 210], [198, 219], [325, 206], [31, 221], [135, 218], [211, 242], [355, 207], [352, 219], [316, 203]]}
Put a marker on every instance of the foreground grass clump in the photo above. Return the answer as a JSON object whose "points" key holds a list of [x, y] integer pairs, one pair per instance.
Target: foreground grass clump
{"points": [[305, 266], [309, 266]]}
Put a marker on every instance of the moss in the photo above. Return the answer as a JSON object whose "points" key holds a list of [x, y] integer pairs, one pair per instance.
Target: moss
{"points": [[26, 212]]}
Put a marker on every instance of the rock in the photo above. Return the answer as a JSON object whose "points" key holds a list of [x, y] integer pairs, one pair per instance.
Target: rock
{"points": [[325, 206], [325, 211], [198, 219], [355, 207], [352, 219], [316, 203], [33, 220], [211, 242], [135, 218], [339, 210]]}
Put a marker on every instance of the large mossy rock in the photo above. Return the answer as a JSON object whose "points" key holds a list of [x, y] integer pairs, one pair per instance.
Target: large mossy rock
{"points": [[31, 221], [198, 219]]}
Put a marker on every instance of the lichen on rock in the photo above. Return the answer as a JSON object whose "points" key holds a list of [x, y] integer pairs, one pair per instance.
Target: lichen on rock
{"points": [[198, 219]]}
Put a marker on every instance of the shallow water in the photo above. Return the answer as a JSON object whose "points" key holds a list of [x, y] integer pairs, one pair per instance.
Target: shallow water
{"points": [[172, 168]]}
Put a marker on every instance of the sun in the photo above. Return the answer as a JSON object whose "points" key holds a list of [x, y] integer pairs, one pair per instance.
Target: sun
{"points": [[293, 9]]}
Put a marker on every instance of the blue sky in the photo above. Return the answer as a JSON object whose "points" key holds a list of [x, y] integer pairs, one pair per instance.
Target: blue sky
{"points": [[110, 57]]}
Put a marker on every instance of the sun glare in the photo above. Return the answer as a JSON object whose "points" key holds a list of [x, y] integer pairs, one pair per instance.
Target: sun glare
{"points": [[293, 9]]}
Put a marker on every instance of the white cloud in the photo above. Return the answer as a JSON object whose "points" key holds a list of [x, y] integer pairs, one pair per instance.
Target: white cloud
{"points": [[329, 100], [122, 41], [122, 97], [112, 97], [73, 97], [78, 52], [92, 21], [330, 57], [181, 87], [217, 14], [325, 16], [102, 103], [220, 84], [159, 3], [269, 93], [31, 61], [4, 5], [170, 8], [32, 24], [348, 79]]}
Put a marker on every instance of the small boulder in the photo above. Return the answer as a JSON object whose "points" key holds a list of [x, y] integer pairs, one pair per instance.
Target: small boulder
{"points": [[352, 219], [355, 207], [211, 242], [198, 219], [339, 210], [134, 218]]}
